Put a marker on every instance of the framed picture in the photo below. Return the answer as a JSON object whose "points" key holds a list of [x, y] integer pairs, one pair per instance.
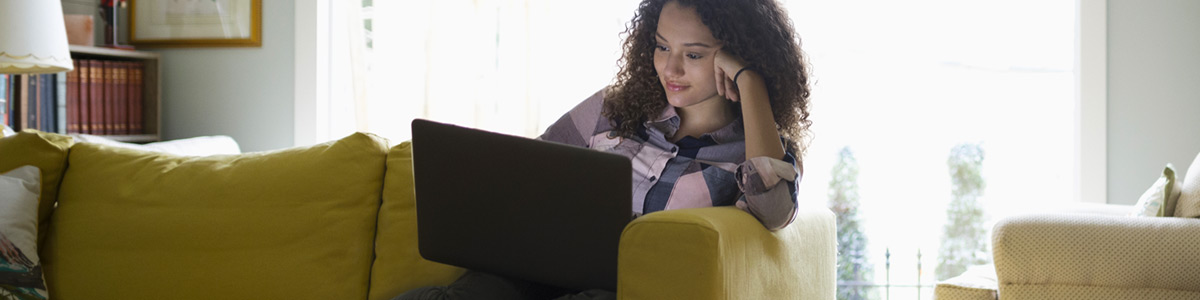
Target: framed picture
{"points": [[196, 23]]}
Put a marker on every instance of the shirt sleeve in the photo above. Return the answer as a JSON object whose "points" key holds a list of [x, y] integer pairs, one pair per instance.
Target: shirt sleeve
{"points": [[577, 126], [769, 189]]}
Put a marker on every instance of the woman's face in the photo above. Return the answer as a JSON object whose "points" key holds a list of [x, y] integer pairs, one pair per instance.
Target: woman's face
{"points": [[684, 55]]}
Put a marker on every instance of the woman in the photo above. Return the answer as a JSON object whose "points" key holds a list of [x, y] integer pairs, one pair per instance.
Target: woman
{"points": [[710, 105]]}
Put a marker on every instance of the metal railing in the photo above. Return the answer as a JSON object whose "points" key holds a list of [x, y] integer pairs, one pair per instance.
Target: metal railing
{"points": [[887, 285]]}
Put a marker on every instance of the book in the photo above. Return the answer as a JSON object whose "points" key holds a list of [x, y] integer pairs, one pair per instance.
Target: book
{"points": [[114, 101], [45, 103], [34, 120], [20, 93], [48, 101], [44, 107], [60, 102], [72, 96], [96, 96], [85, 77], [4, 106], [30, 95], [110, 97], [122, 124], [117, 101], [136, 88]]}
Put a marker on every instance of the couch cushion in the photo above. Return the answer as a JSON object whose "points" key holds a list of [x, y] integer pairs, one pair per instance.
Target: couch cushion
{"points": [[194, 146], [1188, 205], [977, 283], [1054, 256], [290, 224], [47, 152], [398, 266]]}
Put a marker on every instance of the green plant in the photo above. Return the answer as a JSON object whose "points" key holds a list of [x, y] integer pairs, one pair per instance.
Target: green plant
{"points": [[853, 266], [964, 239]]}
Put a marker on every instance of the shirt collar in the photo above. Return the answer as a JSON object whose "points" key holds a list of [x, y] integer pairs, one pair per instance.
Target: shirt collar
{"points": [[667, 123]]}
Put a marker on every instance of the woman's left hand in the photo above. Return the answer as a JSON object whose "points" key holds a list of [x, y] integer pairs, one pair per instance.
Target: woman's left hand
{"points": [[726, 67]]}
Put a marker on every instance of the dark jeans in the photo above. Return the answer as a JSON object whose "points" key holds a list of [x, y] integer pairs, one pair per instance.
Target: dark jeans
{"points": [[479, 285]]}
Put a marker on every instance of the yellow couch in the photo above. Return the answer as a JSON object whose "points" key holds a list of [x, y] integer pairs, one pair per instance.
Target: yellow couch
{"points": [[337, 221]]}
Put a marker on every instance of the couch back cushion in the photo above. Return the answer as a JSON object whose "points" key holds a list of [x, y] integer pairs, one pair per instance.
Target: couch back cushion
{"points": [[289, 224], [47, 152], [1188, 205], [398, 265]]}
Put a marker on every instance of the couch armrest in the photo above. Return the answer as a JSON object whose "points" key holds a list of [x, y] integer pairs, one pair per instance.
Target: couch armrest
{"points": [[725, 253], [1053, 254]]}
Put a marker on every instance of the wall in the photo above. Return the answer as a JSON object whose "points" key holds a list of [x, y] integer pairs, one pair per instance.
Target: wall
{"points": [[246, 93], [1153, 92]]}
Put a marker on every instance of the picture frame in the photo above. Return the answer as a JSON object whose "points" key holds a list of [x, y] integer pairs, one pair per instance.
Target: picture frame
{"points": [[195, 23]]}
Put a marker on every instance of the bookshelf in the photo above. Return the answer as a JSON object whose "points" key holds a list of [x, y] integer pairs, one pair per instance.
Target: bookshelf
{"points": [[151, 96]]}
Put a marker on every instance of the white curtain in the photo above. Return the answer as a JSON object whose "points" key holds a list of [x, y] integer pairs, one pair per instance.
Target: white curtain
{"points": [[511, 66]]}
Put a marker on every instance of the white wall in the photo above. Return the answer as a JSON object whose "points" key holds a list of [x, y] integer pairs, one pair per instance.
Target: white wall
{"points": [[246, 93], [1153, 92]]}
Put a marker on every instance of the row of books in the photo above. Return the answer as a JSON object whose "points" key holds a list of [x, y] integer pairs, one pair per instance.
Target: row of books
{"points": [[31, 101], [100, 97]]}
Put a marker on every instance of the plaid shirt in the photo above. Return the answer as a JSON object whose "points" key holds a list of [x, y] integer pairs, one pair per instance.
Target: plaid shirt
{"points": [[711, 170]]}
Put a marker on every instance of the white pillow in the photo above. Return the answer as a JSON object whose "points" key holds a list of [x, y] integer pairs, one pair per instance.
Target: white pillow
{"points": [[6, 131], [197, 146], [19, 191], [1188, 205], [1155, 198]]}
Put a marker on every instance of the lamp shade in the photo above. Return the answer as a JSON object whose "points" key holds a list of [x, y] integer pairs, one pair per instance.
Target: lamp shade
{"points": [[33, 37]]}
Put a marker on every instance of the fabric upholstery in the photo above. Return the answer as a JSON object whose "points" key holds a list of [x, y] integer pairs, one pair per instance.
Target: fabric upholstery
{"points": [[725, 253], [950, 290], [337, 221], [978, 283], [47, 152], [398, 266], [1077, 256], [194, 146], [289, 224], [1073, 292], [1173, 200], [1188, 204]]}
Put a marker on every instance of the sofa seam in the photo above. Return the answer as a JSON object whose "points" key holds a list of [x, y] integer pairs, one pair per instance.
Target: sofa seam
{"points": [[376, 236]]}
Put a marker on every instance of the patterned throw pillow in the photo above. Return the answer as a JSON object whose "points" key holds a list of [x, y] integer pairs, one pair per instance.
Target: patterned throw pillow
{"points": [[1152, 202], [20, 269]]}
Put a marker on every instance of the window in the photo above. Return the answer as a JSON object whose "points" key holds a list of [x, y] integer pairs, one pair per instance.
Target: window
{"points": [[905, 88], [509, 66], [899, 84]]}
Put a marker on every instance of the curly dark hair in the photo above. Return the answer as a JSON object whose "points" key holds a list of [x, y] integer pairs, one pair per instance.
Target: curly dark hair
{"points": [[758, 31]]}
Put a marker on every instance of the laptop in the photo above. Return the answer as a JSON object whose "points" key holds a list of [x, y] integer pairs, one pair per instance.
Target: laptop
{"points": [[519, 207]]}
